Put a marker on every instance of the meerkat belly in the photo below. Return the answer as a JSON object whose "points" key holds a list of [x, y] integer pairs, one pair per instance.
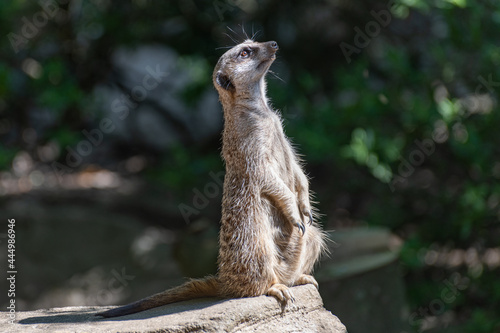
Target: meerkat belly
{"points": [[246, 253]]}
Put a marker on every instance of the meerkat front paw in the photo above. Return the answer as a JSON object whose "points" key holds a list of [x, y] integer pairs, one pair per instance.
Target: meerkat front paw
{"points": [[302, 191], [306, 216], [297, 219], [306, 211], [305, 208]]}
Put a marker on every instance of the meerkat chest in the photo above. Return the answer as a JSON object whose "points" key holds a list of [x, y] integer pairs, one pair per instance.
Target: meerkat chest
{"points": [[258, 143], [280, 151]]}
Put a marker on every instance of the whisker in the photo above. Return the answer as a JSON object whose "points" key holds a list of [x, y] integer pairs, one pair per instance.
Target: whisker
{"points": [[223, 47], [231, 30], [234, 40], [276, 76], [244, 32], [255, 34]]}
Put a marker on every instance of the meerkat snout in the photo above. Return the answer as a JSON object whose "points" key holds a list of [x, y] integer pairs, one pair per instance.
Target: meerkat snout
{"points": [[272, 48]]}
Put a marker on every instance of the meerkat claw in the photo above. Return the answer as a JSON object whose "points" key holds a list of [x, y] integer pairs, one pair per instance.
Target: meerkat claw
{"points": [[302, 227], [310, 218], [289, 296]]}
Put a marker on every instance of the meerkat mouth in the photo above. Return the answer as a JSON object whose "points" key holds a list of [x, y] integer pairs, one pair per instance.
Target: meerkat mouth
{"points": [[267, 62]]}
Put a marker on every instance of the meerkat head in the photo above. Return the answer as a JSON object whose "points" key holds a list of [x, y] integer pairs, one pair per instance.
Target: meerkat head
{"points": [[243, 67]]}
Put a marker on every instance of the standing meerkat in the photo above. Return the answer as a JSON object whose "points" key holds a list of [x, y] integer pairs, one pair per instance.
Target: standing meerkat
{"points": [[268, 239]]}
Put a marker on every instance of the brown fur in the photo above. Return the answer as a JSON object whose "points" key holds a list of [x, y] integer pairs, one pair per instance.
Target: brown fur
{"points": [[268, 241]]}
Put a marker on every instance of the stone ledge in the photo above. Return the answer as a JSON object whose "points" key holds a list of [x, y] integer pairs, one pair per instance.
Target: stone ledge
{"points": [[255, 314]]}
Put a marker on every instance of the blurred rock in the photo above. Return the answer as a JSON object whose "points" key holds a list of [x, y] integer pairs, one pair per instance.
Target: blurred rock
{"points": [[362, 282]]}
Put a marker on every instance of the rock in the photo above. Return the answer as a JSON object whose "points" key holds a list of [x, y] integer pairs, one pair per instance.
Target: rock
{"points": [[362, 280], [256, 314]]}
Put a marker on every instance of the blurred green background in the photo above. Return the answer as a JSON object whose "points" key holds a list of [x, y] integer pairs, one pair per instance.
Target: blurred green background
{"points": [[108, 116]]}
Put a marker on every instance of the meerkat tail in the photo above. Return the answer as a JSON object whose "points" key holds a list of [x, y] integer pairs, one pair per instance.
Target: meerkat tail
{"points": [[195, 288]]}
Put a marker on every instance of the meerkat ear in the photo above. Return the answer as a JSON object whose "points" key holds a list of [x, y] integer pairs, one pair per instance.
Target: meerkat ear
{"points": [[223, 81]]}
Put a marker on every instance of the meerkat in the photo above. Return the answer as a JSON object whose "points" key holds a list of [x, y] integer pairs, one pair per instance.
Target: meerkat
{"points": [[268, 240]]}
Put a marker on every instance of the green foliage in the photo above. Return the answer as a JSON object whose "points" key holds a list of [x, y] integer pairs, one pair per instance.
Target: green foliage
{"points": [[200, 72], [65, 137], [182, 169], [6, 157], [483, 322]]}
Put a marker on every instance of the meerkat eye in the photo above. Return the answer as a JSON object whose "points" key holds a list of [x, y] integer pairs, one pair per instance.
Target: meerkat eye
{"points": [[245, 53]]}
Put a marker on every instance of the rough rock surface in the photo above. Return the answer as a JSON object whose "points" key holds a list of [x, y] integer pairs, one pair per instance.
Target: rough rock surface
{"points": [[256, 314]]}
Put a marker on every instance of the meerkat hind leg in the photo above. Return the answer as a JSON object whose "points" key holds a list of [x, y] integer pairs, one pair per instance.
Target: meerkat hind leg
{"points": [[306, 279], [281, 292]]}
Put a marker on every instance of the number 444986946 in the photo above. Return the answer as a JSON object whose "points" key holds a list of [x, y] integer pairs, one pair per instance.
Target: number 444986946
{"points": [[11, 247]]}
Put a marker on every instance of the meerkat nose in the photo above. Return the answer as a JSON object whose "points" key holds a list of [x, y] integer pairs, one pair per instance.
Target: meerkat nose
{"points": [[274, 45]]}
